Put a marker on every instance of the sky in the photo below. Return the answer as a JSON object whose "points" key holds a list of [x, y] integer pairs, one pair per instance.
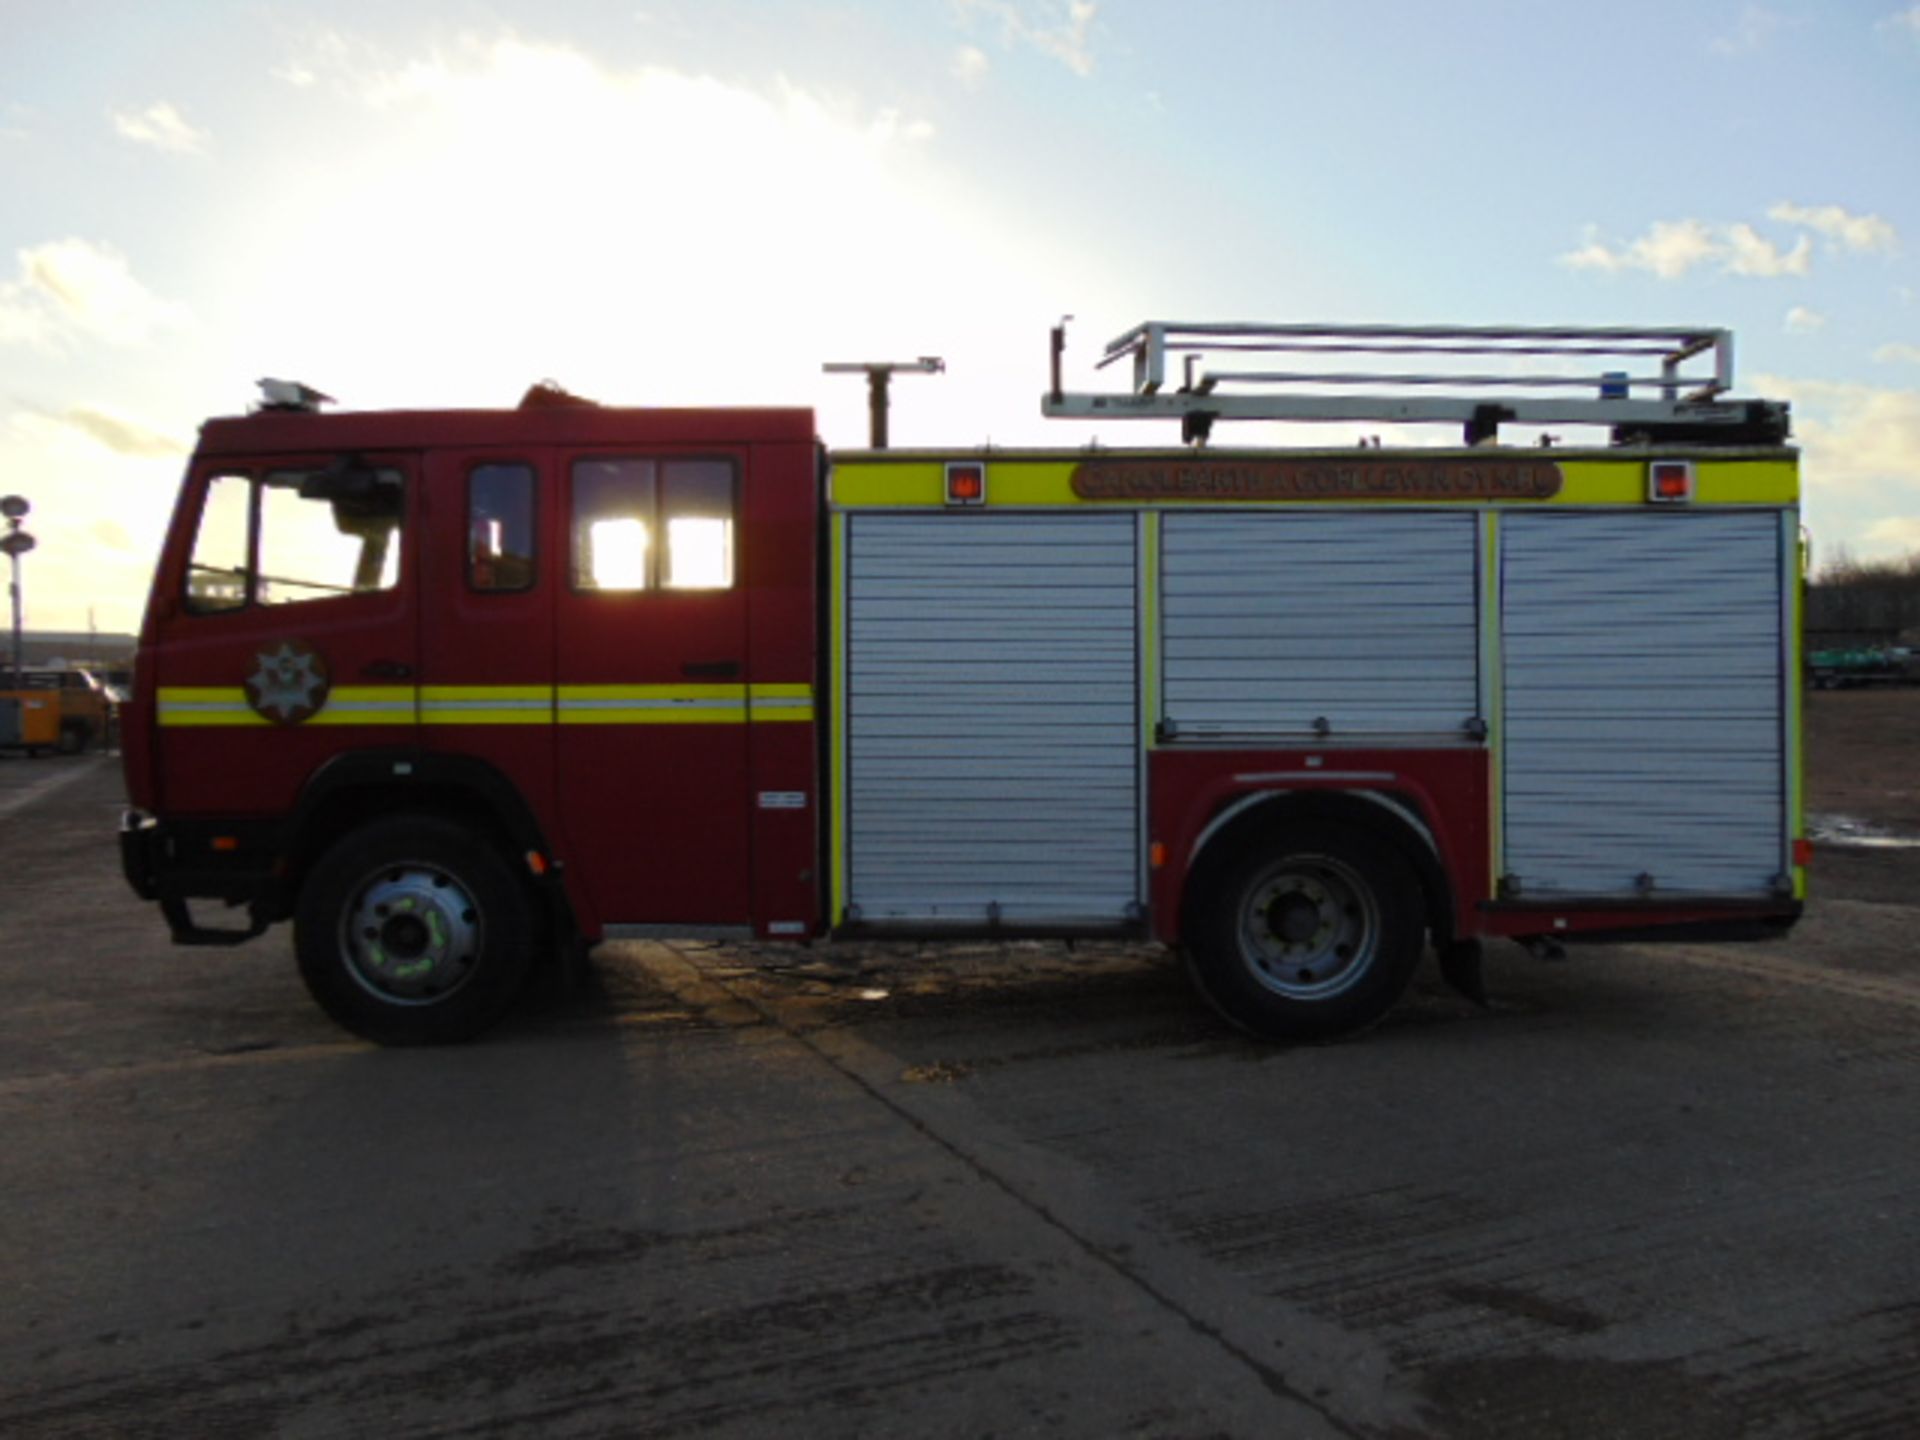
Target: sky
{"points": [[700, 201]]}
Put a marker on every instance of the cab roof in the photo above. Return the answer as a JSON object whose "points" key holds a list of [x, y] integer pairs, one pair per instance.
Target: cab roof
{"points": [[293, 431]]}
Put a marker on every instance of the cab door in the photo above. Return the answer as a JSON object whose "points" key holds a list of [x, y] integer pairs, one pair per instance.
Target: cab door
{"points": [[651, 699], [293, 636], [486, 616]]}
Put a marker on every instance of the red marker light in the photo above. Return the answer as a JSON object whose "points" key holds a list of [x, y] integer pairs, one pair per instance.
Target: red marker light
{"points": [[1670, 481], [966, 483]]}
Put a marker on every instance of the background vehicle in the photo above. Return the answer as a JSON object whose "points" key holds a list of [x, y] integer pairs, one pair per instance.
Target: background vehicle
{"points": [[455, 691], [66, 710]]}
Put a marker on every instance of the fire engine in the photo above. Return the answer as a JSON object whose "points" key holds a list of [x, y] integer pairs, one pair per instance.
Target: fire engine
{"points": [[460, 693]]}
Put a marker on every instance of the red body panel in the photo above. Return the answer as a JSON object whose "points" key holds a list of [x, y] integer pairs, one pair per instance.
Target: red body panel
{"points": [[781, 548], [1447, 790]]}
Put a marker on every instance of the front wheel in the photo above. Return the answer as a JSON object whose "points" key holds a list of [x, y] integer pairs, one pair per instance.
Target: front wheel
{"points": [[413, 931], [1311, 932]]}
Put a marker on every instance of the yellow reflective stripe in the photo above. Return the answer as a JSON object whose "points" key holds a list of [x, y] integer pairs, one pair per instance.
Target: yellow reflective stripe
{"points": [[367, 705], [195, 694], [206, 705], [507, 705], [373, 699], [434, 693], [780, 702], [202, 705], [735, 693], [652, 704], [699, 712], [486, 704]]}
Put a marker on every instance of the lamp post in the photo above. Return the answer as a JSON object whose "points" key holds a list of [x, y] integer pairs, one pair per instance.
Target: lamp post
{"points": [[16, 542]]}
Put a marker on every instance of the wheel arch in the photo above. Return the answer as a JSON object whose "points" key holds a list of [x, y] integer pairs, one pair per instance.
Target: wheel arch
{"points": [[351, 790], [1394, 816]]}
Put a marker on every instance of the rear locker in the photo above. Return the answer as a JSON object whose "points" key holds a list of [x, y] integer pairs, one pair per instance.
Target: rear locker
{"points": [[1645, 704]]}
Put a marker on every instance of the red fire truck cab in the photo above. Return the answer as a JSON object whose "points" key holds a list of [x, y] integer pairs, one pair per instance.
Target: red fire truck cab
{"points": [[459, 691]]}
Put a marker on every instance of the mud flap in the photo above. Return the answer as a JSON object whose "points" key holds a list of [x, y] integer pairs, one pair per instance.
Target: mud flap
{"points": [[1460, 967]]}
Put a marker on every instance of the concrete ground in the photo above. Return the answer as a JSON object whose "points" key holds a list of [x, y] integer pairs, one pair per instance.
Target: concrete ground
{"points": [[992, 1191]]}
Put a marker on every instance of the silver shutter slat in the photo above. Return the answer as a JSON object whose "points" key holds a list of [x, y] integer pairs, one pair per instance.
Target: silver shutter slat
{"points": [[1643, 722], [992, 726], [1272, 621]]}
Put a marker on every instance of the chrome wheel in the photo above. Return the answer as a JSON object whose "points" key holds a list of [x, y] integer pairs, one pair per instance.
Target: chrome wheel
{"points": [[1308, 927], [411, 934]]}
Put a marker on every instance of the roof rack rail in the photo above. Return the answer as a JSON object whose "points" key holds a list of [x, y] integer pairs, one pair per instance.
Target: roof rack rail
{"points": [[1514, 365]]}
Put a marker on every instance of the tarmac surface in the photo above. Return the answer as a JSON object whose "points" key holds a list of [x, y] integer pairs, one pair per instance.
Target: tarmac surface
{"points": [[984, 1191]]}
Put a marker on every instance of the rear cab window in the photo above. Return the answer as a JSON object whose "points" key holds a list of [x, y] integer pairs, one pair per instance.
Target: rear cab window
{"points": [[653, 524]]}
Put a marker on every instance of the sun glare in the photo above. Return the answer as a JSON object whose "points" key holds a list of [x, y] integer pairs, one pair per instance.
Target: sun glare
{"points": [[650, 237], [619, 555]]}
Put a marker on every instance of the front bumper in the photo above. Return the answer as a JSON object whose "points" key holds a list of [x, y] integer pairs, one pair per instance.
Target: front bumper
{"points": [[236, 861]]}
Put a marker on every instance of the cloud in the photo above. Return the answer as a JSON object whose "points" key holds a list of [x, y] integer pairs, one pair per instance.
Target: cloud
{"points": [[1756, 26], [1749, 253], [1907, 20], [1673, 248], [1669, 249], [1898, 353], [970, 66], [1802, 321], [162, 127], [1060, 31], [1860, 233], [1854, 436], [73, 287], [122, 436]]}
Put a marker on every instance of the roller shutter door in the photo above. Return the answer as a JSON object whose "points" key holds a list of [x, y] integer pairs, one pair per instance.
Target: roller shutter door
{"points": [[1274, 621], [1643, 713], [992, 718]]}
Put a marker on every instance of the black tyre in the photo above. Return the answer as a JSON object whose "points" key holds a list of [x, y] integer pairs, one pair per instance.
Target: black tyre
{"points": [[1308, 933], [73, 739], [414, 931]]}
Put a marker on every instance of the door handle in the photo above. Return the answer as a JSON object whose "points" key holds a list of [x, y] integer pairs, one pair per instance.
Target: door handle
{"points": [[386, 670], [710, 669]]}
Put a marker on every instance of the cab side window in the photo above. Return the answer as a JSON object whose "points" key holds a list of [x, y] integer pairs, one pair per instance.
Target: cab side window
{"points": [[327, 532], [500, 527], [294, 535]]}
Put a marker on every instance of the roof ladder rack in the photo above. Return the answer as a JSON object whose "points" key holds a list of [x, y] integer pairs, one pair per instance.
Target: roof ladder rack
{"points": [[1484, 376]]}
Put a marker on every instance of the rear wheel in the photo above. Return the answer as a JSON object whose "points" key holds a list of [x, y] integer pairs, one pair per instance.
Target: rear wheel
{"points": [[1309, 933], [413, 931]]}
